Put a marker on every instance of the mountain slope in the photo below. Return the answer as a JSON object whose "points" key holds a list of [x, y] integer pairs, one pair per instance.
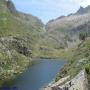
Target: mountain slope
{"points": [[63, 33], [23, 36], [68, 28], [66, 31], [19, 33]]}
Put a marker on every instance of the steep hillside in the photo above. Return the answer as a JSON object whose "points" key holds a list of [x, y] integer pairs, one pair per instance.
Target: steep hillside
{"points": [[19, 34], [78, 60], [76, 72]]}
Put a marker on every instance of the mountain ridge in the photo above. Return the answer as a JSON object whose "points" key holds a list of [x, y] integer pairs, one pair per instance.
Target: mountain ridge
{"points": [[81, 10], [70, 25], [23, 36]]}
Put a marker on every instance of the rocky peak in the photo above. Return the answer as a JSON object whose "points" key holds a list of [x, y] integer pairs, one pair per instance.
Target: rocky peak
{"points": [[11, 6], [88, 8], [83, 10]]}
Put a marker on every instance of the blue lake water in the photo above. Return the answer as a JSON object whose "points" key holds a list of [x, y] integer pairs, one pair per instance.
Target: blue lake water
{"points": [[39, 74]]}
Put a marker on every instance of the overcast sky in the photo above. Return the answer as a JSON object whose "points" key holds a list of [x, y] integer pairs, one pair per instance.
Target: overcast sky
{"points": [[49, 9]]}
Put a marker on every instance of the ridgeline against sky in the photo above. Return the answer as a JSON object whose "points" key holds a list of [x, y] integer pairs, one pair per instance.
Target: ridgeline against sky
{"points": [[49, 9]]}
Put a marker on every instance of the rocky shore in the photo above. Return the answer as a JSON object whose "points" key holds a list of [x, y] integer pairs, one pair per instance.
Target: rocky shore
{"points": [[79, 82]]}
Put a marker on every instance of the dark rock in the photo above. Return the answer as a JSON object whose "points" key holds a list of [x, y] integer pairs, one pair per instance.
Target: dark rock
{"points": [[11, 7], [17, 44], [83, 10]]}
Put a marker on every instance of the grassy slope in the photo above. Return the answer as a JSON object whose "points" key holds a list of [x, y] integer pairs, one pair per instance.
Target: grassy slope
{"points": [[20, 28], [29, 29], [78, 60]]}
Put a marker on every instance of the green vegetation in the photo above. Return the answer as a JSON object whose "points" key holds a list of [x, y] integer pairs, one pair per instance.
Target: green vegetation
{"points": [[19, 34], [22, 37], [82, 36], [78, 60]]}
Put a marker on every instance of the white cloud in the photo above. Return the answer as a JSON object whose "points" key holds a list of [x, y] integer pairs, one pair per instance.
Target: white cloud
{"points": [[85, 3]]}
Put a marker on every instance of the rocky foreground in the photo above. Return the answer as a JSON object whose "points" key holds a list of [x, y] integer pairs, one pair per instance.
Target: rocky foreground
{"points": [[80, 82]]}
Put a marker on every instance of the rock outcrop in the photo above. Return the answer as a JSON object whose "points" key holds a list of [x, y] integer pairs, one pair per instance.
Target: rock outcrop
{"points": [[80, 82], [11, 6], [83, 10], [19, 33]]}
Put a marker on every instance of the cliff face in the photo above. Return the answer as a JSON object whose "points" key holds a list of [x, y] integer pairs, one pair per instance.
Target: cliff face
{"points": [[11, 6], [83, 10]]}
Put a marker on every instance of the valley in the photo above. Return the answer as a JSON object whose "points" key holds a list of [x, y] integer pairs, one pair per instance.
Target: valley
{"points": [[24, 37]]}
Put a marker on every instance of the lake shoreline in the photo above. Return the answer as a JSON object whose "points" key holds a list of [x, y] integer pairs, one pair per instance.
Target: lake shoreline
{"points": [[57, 58], [42, 72], [35, 62]]}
